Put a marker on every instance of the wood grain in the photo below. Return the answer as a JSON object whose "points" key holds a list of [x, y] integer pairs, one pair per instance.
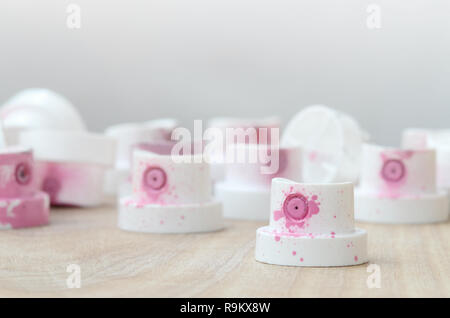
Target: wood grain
{"points": [[414, 261]]}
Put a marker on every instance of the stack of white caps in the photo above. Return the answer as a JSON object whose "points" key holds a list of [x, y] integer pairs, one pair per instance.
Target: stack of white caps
{"points": [[311, 225], [399, 186], [245, 192], [170, 194], [70, 162], [331, 143], [152, 134]]}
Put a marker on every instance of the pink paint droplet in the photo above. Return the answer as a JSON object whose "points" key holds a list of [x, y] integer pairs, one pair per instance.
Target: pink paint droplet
{"points": [[277, 238], [294, 253], [277, 215], [301, 259], [312, 156], [182, 217], [161, 222], [356, 258], [313, 205]]}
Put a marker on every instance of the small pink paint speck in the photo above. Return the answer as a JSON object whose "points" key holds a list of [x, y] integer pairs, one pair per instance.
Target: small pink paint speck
{"points": [[277, 215], [277, 238], [301, 259], [182, 217], [161, 222], [312, 156], [294, 253], [356, 258]]}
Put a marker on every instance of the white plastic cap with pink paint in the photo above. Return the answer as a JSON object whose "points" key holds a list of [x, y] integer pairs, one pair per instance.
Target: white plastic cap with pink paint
{"points": [[311, 225], [153, 134], [169, 196], [399, 186]]}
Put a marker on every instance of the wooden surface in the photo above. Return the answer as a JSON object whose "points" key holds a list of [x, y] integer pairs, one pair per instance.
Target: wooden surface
{"points": [[414, 261]]}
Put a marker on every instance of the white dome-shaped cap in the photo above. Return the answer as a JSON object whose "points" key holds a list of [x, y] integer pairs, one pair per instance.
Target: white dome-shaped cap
{"points": [[331, 142], [40, 108]]}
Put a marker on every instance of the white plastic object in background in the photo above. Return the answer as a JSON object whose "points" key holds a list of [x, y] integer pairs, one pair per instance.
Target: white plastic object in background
{"points": [[399, 186], [71, 164], [21, 203], [169, 196], [439, 140], [72, 183], [235, 122], [218, 166], [129, 136], [245, 192], [38, 109], [70, 146], [118, 180], [311, 225], [331, 142], [242, 202]]}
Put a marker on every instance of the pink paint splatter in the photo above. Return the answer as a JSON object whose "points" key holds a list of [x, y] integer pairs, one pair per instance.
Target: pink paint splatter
{"points": [[294, 253], [301, 259], [277, 238], [356, 258], [394, 172], [313, 206], [277, 215]]}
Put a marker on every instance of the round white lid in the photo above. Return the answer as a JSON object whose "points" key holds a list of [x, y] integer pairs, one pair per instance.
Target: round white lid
{"points": [[39, 108], [331, 143]]}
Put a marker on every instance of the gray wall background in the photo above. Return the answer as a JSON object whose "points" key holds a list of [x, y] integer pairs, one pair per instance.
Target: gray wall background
{"points": [[194, 59]]}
